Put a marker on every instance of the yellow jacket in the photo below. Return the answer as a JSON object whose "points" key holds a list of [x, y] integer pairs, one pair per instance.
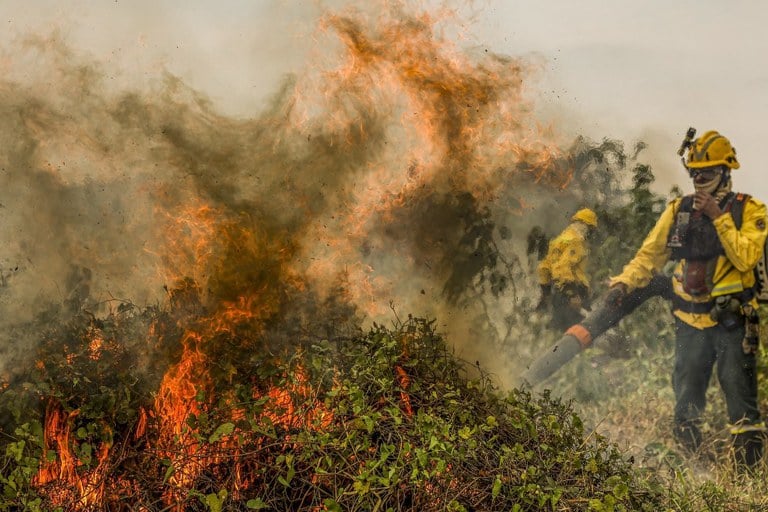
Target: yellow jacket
{"points": [[733, 271], [566, 259]]}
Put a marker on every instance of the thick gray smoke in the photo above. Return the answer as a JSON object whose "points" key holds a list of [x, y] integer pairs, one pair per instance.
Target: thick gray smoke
{"points": [[383, 174]]}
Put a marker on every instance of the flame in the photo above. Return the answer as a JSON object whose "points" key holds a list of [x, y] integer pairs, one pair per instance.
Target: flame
{"points": [[407, 119], [179, 400], [455, 123], [191, 238], [176, 401], [187, 389], [95, 347], [404, 381], [81, 488]]}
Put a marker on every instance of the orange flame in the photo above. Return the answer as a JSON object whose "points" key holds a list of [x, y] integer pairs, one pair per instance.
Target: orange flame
{"points": [[187, 390], [82, 489], [463, 127]]}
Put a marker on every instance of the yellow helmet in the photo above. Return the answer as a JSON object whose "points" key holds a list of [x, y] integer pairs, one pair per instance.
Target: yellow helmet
{"points": [[711, 149], [586, 216]]}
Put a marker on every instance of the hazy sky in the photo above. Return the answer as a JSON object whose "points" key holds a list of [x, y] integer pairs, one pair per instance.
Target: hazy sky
{"points": [[651, 69], [625, 70]]}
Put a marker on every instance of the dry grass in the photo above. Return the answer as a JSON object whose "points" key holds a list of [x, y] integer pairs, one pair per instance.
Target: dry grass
{"points": [[630, 402]]}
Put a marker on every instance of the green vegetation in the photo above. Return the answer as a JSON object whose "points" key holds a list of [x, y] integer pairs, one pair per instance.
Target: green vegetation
{"points": [[382, 419], [387, 420]]}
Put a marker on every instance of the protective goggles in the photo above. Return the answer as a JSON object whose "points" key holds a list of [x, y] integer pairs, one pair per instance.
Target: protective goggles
{"points": [[707, 173]]}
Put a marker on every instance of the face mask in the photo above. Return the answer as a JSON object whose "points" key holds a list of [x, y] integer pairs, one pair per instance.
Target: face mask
{"points": [[706, 180], [708, 186]]}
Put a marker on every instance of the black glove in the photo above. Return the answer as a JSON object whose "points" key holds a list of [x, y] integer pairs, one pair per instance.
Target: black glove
{"points": [[576, 294], [616, 295]]}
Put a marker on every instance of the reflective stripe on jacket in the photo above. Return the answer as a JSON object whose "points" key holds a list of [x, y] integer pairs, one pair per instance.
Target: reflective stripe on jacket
{"points": [[733, 271]]}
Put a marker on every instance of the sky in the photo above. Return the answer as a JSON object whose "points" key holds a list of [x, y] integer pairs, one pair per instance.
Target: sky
{"points": [[648, 70], [631, 71]]}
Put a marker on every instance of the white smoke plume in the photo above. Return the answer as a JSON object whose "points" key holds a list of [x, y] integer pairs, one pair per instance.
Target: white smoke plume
{"points": [[382, 174]]}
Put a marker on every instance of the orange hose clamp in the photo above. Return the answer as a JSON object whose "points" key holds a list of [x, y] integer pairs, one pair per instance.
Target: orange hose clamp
{"points": [[581, 333]]}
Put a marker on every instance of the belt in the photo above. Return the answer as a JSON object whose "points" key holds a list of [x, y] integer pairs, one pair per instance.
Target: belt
{"points": [[680, 304]]}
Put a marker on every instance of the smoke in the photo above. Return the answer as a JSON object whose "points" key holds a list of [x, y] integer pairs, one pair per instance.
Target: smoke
{"points": [[377, 179]]}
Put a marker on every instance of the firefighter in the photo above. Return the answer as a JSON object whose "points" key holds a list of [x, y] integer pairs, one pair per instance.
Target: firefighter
{"points": [[562, 272], [715, 238]]}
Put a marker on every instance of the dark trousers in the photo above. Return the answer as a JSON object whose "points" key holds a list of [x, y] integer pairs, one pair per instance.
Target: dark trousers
{"points": [[564, 315], [696, 351]]}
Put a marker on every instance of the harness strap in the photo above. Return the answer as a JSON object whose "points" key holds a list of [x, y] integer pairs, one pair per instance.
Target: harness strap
{"points": [[680, 304], [734, 204]]}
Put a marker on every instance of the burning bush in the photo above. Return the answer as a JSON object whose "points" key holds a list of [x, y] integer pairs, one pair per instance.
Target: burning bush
{"points": [[402, 168], [385, 420]]}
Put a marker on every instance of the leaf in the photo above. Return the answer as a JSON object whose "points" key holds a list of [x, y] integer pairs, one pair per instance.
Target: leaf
{"points": [[222, 430], [332, 505], [496, 487], [215, 501], [86, 452], [621, 491], [15, 450], [256, 504], [168, 472]]}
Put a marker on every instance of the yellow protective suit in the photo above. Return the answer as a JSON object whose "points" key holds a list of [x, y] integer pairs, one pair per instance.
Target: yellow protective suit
{"points": [[565, 264], [733, 271]]}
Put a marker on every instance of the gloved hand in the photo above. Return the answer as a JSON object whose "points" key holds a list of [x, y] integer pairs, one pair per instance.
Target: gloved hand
{"points": [[576, 294], [575, 302], [616, 294]]}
